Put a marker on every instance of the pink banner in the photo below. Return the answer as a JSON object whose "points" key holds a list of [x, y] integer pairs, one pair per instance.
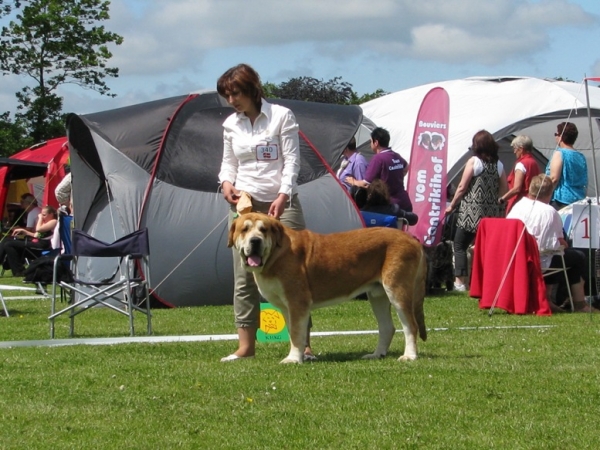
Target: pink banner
{"points": [[427, 168]]}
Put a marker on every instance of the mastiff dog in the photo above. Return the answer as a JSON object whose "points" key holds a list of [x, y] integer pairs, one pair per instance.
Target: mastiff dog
{"points": [[298, 271]]}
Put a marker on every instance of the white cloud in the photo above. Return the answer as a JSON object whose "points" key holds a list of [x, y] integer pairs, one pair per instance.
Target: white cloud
{"points": [[174, 46], [179, 33], [595, 69]]}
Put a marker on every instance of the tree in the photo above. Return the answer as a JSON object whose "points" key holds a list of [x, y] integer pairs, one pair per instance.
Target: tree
{"points": [[55, 42], [4, 9], [366, 97], [269, 89], [13, 136], [313, 90]]}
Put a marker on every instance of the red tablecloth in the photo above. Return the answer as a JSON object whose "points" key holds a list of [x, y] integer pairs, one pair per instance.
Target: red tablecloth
{"points": [[523, 291]]}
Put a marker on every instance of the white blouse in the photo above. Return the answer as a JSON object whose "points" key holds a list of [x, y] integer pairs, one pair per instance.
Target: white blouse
{"points": [[262, 159], [478, 167]]}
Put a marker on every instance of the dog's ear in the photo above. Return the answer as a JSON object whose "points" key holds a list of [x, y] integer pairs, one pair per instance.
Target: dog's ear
{"points": [[278, 232], [231, 232]]}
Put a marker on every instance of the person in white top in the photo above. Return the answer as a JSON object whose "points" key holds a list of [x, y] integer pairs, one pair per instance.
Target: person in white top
{"points": [[482, 182], [544, 223], [22, 238], [526, 167], [32, 211], [261, 157]]}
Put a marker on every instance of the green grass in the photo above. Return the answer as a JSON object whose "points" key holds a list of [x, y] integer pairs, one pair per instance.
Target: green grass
{"points": [[480, 382]]}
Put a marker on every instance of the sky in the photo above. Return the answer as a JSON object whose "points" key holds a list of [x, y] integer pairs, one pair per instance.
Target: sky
{"points": [[173, 47]]}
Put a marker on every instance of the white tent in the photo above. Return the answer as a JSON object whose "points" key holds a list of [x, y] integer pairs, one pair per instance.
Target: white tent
{"points": [[505, 106]]}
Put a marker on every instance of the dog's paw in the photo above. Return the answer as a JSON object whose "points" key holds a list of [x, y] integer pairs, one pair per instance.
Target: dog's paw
{"points": [[407, 358], [289, 360], [373, 356]]}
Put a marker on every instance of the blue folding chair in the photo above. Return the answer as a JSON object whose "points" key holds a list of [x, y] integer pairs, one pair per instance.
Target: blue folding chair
{"points": [[122, 292], [379, 220]]}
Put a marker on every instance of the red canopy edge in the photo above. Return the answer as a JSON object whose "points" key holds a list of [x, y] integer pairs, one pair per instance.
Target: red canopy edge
{"points": [[54, 153]]}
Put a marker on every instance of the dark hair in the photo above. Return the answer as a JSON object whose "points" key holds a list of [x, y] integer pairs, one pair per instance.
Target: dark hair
{"points": [[382, 136], [485, 147], [568, 132], [377, 193], [244, 78], [29, 199], [352, 144]]}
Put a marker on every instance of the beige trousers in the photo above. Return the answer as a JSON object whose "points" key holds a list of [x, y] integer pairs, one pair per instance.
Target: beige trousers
{"points": [[246, 298]]}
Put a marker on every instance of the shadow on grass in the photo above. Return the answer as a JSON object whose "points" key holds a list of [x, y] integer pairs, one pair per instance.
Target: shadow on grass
{"points": [[14, 312], [338, 357]]}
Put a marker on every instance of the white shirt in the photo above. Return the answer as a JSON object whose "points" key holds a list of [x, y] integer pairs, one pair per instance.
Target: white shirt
{"points": [[32, 217], [478, 167], [264, 159], [544, 223], [520, 167]]}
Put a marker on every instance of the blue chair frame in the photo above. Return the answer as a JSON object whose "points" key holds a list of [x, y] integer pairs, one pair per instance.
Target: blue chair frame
{"points": [[118, 292]]}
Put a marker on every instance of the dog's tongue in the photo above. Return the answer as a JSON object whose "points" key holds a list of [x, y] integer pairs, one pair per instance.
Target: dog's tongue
{"points": [[254, 261]]}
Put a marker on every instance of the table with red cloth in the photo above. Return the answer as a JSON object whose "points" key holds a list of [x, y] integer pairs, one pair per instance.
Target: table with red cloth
{"points": [[523, 291]]}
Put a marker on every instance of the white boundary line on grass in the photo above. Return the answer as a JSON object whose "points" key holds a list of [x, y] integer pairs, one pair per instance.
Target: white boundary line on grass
{"points": [[213, 337]]}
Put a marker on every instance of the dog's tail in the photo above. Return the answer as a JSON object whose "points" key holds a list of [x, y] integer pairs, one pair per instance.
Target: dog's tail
{"points": [[420, 290]]}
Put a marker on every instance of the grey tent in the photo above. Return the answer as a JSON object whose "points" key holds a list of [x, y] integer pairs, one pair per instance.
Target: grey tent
{"points": [[156, 164]]}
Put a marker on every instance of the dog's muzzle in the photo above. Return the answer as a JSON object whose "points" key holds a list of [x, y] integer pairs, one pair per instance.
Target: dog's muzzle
{"points": [[254, 255]]}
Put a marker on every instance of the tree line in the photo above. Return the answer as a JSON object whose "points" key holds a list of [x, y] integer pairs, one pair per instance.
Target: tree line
{"points": [[55, 42]]}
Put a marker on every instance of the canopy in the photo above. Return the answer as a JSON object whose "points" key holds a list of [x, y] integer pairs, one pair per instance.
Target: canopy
{"points": [[46, 159], [504, 106]]}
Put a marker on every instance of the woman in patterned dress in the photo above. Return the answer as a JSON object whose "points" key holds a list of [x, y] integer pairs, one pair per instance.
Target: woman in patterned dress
{"points": [[482, 184]]}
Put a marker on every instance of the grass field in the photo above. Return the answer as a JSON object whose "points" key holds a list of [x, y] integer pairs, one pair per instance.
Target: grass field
{"points": [[507, 382]]}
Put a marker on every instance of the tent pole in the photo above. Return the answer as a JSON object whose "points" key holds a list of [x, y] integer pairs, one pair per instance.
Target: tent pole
{"points": [[587, 99]]}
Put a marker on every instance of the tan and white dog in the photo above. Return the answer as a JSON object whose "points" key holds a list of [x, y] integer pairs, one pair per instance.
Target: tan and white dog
{"points": [[300, 270]]}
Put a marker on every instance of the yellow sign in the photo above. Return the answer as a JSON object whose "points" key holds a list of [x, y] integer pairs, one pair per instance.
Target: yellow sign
{"points": [[272, 325]]}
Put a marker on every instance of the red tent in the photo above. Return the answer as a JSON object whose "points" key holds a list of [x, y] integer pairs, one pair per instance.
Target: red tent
{"points": [[46, 159]]}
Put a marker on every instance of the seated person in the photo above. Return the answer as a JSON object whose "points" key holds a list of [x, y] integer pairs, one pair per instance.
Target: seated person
{"points": [[545, 225], [14, 218], [40, 239], [353, 165], [388, 166], [31, 211], [378, 201]]}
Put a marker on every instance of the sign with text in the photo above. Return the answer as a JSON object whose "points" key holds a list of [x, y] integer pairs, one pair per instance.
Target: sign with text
{"points": [[272, 325], [427, 168], [585, 228]]}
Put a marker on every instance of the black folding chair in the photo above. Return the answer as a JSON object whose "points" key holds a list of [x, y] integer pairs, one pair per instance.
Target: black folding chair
{"points": [[123, 292]]}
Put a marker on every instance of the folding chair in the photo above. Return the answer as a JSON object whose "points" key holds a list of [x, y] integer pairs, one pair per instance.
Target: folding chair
{"points": [[64, 228], [39, 291], [120, 292], [553, 270], [29, 255], [506, 269], [373, 219]]}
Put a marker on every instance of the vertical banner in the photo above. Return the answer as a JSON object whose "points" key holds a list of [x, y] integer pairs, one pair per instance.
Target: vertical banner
{"points": [[427, 167]]}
